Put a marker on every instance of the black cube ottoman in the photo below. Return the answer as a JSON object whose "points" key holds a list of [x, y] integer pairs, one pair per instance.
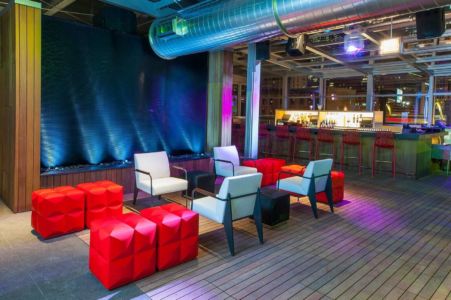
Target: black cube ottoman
{"points": [[200, 179], [275, 205]]}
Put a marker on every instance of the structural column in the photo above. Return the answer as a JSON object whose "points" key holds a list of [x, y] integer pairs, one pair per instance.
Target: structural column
{"points": [[20, 107], [370, 92], [220, 99], [238, 101], [322, 93], [252, 103], [285, 92], [429, 107]]}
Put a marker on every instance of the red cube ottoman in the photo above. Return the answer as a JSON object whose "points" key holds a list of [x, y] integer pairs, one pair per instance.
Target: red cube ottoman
{"points": [[57, 211], [189, 231], [144, 244], [111, 252], [269, 167], [338, 188], [168, 236], [103, 199], [122, 249], [178, 231]]}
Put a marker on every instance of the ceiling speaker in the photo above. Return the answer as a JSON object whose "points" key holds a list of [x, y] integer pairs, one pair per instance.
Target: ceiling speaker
{"points": [[430, 23], [296, 46], [263, 50]]}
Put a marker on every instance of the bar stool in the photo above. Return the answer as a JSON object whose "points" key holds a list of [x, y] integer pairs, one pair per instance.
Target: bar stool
{"points": [[238, 137], [325, 136], [351, 138], [385, 140], [264, 140], [303, 136], [281, 145]]}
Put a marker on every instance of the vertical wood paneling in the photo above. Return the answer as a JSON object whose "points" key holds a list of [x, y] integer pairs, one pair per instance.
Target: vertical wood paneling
{"points": [[37, 101], [20, 92]]}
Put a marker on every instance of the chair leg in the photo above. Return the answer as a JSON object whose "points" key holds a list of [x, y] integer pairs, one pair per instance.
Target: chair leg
{"points": [[333, 154], [329, 193], [258, 218], [312, 199], [229, 233], [342, 155], [317, 150], [374, 160], [135, 194], [393, 162], [360, 159], [310, 155]]}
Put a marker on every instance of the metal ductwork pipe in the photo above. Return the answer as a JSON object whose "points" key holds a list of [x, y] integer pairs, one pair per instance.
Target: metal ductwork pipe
{"points": [[230, 22]]}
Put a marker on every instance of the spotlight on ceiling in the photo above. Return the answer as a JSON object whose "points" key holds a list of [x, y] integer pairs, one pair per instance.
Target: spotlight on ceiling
{"points": [[353, 42], [390, 46]]}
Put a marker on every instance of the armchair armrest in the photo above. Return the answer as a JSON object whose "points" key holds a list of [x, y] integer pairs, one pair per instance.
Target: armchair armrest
{"points": [[150, 176], [202, 192], [291, 173], [143, 172], [181, 169], [225, 161]]}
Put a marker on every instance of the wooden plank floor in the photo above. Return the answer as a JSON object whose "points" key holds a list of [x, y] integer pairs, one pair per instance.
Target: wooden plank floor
{"points": [[390, 239]]}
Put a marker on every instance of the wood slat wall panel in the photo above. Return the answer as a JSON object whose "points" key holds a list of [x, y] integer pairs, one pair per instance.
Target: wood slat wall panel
{"points": [[122, 176], [21, 105], [7, 111]]}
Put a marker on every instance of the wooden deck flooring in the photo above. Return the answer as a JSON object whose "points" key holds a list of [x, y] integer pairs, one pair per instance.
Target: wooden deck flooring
{"points": [[391, 239]]}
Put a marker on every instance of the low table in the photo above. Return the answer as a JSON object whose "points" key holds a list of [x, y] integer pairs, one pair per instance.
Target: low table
{"points": [[275, 205], [442, 152], [200, 179]]}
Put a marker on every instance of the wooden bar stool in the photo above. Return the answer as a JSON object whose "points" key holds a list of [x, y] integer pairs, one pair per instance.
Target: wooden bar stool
{"points": [[351, 138], [282, 142], [325, 136], [385, 140], [301, 137], [264, 140], [238, 137]]}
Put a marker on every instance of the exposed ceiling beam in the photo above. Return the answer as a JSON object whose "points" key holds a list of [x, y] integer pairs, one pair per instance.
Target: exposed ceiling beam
{"points": [[334, 59], [59, 7], [413, 64]]}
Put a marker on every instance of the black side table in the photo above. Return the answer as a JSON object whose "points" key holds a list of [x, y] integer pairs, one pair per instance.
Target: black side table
{"points": [[275, 205], [200, 179]]}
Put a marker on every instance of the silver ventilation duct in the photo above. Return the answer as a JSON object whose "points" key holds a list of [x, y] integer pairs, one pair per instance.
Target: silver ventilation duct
{"points": [[229, 22]]}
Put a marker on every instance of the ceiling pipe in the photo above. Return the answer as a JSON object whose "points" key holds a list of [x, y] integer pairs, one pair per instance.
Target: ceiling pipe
{"points": [[230, 22]]}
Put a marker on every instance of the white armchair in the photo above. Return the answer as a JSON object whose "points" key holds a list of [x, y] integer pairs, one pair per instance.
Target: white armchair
{"points": [[238, 198], [227, 162], [153, 175], [316, 179]]}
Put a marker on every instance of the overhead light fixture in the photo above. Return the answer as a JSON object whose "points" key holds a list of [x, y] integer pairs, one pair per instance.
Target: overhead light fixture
{"points": [[353, 41], [390, 46]]}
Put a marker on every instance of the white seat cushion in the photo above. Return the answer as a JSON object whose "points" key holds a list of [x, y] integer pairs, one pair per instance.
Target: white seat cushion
{"points": [[163, 185], [294, 185], [210, 208], [239, 170]]}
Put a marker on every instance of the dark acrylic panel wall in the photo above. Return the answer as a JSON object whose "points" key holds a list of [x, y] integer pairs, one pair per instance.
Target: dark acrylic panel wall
{"points": [[106, 95]]}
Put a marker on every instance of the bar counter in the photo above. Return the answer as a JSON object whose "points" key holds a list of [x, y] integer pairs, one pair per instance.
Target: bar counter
{"points": [[413, 152]]}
